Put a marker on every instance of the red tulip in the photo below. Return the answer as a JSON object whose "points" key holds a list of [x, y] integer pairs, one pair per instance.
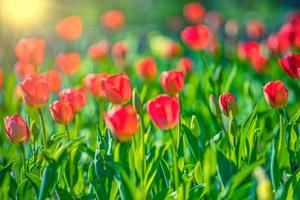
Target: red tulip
{"points": [[16, 129], [69, 63], [172, 81], [291, 65], [276, 94], [77, 97], [35, 91], [119, 53], [174, 49], [186, 65], [69, 28], [196, 37], [247, 50], [122, 122], [227, 103], [1, 78], [53, 79], [259, 63], [280, 42], [62, 111], [93, 83], [113, 20], [146, 68], [30, 50], [164, 111], [99, 51], [193, 12], [23, 69], [255, 29], [117, 88]]}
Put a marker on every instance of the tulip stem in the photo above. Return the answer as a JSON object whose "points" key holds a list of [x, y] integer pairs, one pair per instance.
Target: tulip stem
{"points": [[67, 131], [175, 165], [142, 129], [44, 135], [101, 108], [179, 121], [23, 157]]}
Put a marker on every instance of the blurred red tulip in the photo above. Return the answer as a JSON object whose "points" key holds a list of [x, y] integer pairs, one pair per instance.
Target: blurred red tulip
{"points": [[247, 50], [62, 111], [16, 129], [214, 20], [164, 111], [193, 12], [69, 28], [291, 65], [280, 41], [113, 20], [259, 63], [146, 68], [174, 49], [117, 88], [227, 103], [122, 122], [30, 50], [255, 29], [53, 79], [35, 91], [77, 97], [172, 81], [1, 78], [23, 69], [196, 37], [276, 94], [186, 65], [119, 53], [99, 51], [69, 63], [93, 83]]}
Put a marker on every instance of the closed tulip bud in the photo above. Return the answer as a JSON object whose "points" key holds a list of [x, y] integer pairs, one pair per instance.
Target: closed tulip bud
{"points": [[195, 127], [35, 91], [137, 103], [276, 94], [69, 28], [16, 129], [196, 37], [193, 12], [1, 78], [122, 122], [77, 97], [117, 88], [34, 130], [186, 65], [113, 20], [23, 69], [99, 51], [248, 50], [53, 79], [228, 104], [93, 83], [291, 65], [164, 111], [255, 29], [213, 104], [62, 111], [146, 68], [69, 63], [172, 81]]}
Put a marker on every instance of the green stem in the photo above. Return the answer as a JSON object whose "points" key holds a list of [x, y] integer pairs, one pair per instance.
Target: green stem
{"points": [[44, 135], [175, 165], [142, 129], [67, 131], [101, 108], [179, 122], [23, 157]]}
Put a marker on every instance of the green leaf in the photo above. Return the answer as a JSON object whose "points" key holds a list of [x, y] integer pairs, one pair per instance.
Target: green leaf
{"points": [[49, 180], [192, 143]]}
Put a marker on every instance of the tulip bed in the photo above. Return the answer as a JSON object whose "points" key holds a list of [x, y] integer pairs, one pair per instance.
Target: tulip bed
{"points": [[194, 116]]}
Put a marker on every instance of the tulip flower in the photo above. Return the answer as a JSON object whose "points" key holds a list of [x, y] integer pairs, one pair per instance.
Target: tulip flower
{"points": [[196, 37], [247, 50], [119, 53], [122, 122], [291, 65], [276, 94], [23, 70], [113, 20], [53, 79], [62, 111], [117, 88], [228, 103], [172, 81], [255, 29], [69, 63], [164, 111], [259, 63], [35, 91], [1, 78], [99, 51], [77, 97], [93, 83], [146, 68], [16, 129], [193, 12], [173, 49], [69, 28], [186, 65], [30, 50]]}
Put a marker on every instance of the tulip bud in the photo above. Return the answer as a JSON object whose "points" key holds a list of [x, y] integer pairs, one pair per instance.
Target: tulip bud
{"points": [[276, 94], [291, 65], [228, 104], [196, 37], [193, 12], [16, 129], [195, 127], [77, 97], [54, 79], [69, 63], [146, 68], [172, 81], [93, 83], [264, 187], [213, 105], [113, 20], [24, 70], [136, 102], [62, 111], [186, 65], [99, 51], [69, 28], [34, 130]]}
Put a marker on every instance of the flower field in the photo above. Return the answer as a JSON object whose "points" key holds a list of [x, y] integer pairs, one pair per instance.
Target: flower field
{"points": [[197, 106]]}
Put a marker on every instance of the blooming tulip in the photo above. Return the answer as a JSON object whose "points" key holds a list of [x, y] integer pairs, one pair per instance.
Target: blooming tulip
{"points": [[247, 50], [122, 122], [62, 111], [53, 79], [113, 20], [196, 37], [35, 91], [193, 12], [93, 83], [146, 68], [185, 64], [16, 129], [77, 97], [276, 94], [164, 111], [117, 88], [23, 69], [99, 51], [227, 103], [291, 65], [1, 78], [69, 28], [172, 81], [69, 63]]}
